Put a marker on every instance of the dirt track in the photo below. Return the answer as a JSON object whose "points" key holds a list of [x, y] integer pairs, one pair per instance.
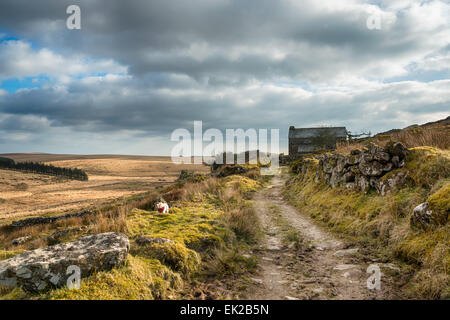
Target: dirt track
{"points": [[322, 267]]}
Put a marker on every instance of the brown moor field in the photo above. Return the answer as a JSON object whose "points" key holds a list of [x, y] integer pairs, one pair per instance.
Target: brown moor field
{"points": [[111, 177]]}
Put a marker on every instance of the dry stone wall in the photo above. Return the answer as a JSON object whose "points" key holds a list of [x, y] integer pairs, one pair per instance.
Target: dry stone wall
{"points": [[362, 169]]}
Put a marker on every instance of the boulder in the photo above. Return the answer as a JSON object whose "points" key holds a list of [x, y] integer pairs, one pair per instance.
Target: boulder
{"points": [[394, 181], [397, 149], [341, 161], [371, 169], [345, 252], [362, 183], [151, 240], [377, 153], [328, 165], [20, 240], [44, 268], [421, 215]]}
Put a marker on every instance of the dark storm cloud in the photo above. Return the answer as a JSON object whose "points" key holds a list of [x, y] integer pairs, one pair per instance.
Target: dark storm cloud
{"points": [[198, 38], [229, 63]]}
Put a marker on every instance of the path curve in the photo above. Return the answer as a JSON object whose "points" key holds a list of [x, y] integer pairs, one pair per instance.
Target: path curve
{"points": [[323, 268]]}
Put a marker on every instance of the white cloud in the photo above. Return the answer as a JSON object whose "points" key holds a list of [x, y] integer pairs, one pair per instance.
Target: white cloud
{"points": [[20, 60]]}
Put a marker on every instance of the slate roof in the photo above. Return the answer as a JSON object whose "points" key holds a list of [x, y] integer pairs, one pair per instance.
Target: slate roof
{"points": [[339, 132]]}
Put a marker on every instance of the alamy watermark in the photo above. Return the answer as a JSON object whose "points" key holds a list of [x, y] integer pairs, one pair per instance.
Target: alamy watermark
{"points": [[73, 22], [191, 148], [373, 21], [74, 280], [374, 281]]}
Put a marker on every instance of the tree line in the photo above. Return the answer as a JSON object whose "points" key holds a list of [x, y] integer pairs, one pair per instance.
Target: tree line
{"points": [[36, 167]]}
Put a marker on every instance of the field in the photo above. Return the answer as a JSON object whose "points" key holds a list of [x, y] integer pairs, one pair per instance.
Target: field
{"points": [[111, 177]]}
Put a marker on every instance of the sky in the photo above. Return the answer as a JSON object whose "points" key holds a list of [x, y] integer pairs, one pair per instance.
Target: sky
{"points": [[139, 69]]}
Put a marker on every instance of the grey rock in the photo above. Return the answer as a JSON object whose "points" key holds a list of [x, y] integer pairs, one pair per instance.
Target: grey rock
{"points": [[44, 268], [371, 169], [362, 183], [335, 178], [421, 215], [345, 252], [391, 266], [151, 240], [398, 180], [20, 240], [341, 161], [327, 166], [378, 154], [350, 185], [258, 281], [397, 149], [343, 267]]}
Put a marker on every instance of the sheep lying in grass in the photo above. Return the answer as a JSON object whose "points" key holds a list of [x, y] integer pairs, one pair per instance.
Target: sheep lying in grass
{"points": [[162, 207]]}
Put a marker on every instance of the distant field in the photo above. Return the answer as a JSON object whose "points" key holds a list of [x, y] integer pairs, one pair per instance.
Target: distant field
{"points": [[110, 177], [47, 157]]}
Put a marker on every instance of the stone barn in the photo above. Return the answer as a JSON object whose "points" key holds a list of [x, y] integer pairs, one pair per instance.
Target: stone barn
{"points": [[306, 140]]}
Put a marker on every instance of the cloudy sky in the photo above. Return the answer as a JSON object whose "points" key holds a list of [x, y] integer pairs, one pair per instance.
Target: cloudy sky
{"points": [[137, 70]]}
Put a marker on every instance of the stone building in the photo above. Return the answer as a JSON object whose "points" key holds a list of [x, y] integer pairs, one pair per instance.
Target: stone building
{"points": [[306, 140]]}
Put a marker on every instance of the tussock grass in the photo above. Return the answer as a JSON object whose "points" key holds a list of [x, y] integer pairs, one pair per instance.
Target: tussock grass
{"points": [[230, 262], [175, 255], [244, 222], [434, 136], [198, 191], [437, 137]]}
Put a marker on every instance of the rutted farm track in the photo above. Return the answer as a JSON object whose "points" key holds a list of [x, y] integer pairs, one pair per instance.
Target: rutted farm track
{"points": [[300, 260]]}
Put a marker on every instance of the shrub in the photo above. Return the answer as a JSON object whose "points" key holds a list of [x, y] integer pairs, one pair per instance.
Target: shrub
{"points": [[244, 222]]}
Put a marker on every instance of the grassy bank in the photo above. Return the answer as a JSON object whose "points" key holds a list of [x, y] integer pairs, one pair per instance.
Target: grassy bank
{"points": [[383, 222], [211, 223]]}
